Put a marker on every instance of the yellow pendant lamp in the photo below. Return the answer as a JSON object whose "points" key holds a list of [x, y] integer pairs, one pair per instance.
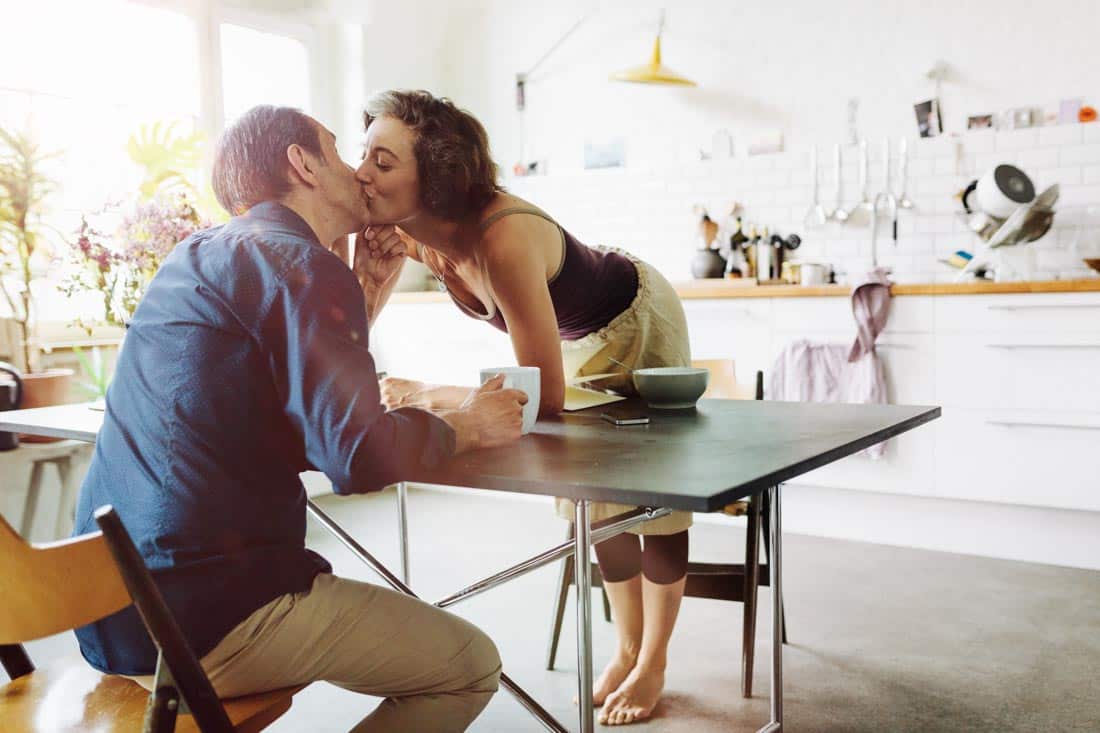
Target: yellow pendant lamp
{"points": [[654, 72]]}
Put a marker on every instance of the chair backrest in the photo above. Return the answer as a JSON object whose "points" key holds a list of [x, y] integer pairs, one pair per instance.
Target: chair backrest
{"points": [[723, 384], [54, 587], [63, 585]]}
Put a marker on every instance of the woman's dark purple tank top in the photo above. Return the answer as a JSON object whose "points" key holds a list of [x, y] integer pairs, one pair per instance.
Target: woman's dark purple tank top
{"points": [[591, 288]]}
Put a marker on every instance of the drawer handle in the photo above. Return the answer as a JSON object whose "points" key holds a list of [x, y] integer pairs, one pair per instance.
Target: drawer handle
{"points": [[1028, 424], [1042, 346], [1042, 306]]}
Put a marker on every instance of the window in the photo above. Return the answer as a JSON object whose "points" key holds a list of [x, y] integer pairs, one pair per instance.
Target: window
{"points": [[82, 77], [262, 68]]}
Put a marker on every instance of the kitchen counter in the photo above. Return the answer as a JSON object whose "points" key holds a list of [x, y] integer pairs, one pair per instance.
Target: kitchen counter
{"points": [[720, 289]]}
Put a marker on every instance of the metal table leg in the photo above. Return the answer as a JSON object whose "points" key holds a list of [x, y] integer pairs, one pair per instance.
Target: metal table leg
{"points": [[403, 528], [776, 577], [583, 569], [540, 713], [579, 547]]}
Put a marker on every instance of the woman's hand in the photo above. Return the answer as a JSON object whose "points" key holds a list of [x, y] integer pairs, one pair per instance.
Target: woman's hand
{"points": [[397, 392], [379, 256]]}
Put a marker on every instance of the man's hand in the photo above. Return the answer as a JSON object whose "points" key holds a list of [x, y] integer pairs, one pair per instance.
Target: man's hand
{"points": [[378, 258], [489, 417]]}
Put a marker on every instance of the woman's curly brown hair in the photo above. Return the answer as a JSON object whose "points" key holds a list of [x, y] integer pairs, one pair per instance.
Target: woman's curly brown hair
{"points": [[455, 167]]}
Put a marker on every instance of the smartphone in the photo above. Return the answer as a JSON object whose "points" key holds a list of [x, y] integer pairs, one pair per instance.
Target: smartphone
{"points": [[621, 417]]}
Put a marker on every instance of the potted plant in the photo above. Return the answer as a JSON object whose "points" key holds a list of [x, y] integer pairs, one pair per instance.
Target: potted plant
{"points": [[24, 190]]}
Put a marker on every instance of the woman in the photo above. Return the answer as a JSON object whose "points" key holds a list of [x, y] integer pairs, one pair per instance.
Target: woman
{"points": [[570, 309]]}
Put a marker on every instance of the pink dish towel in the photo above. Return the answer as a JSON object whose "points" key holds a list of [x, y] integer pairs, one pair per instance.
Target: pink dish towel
{"points": [[809, 372], [871, 309]]}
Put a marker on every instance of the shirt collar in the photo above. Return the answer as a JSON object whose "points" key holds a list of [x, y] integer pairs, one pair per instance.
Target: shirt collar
{"points": [[272, 212]]}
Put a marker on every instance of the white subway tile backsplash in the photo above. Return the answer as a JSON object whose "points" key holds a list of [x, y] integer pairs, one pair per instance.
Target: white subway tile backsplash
{"points": [[1063, 176], [1046, 259], [985, 161], [921, 167], [1081, 154], [929, 147], [649, 210], [1009, 140], [1061, 135], [945, 185], [947, 167], [980, 141], [935, 224], [1033, 160], [1080, 195]]}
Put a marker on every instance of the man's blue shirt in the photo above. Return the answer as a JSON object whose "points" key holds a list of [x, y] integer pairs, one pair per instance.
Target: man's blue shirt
{"points": [[245, 364]]}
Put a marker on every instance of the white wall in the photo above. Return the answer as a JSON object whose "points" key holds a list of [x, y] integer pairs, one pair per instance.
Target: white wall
{"points": [[763, 66], [789, 67]]}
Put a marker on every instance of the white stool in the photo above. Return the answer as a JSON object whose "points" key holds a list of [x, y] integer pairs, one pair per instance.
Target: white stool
{"points": [[61, 454]]}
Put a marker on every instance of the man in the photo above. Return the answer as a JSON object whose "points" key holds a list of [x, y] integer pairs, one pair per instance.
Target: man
{"points": [[245, 364]]}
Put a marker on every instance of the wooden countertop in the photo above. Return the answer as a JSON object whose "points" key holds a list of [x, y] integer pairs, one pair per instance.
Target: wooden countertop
{"points": [[718, 289], [699, 289]]}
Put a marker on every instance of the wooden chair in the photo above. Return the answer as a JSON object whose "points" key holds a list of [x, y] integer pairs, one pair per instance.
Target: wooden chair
{"points": [[50, 588], [720, 581]]}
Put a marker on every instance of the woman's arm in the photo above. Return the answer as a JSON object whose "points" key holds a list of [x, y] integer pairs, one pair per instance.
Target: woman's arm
{"points": [[377, 260], [516, 269]]}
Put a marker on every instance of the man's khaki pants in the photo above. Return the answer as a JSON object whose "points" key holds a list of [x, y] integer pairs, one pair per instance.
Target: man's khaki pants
{"points": [[436, 671]]}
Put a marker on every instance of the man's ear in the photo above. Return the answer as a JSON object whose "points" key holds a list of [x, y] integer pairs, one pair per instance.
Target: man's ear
{"points": [[302, 164]]}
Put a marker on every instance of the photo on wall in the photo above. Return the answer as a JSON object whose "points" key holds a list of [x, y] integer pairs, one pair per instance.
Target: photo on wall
{"points": [[979, 122], [929, 122]]}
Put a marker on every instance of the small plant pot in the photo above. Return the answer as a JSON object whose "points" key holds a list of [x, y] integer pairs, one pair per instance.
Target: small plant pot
{"points": [[44, 389]]}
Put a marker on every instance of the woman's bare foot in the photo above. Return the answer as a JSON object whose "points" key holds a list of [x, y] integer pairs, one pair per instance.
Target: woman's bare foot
{"points": [[635, 698], [613, 675]]}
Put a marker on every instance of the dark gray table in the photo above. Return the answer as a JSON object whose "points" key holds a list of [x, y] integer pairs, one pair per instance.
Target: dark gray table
{"points": [[696, 460]]}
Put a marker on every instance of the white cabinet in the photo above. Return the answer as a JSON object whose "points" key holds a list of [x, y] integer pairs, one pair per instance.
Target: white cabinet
{"points": [[738, 329], [1052, 370], [906, 350], [1018, 377], [1038, 457], [1019, 380]]}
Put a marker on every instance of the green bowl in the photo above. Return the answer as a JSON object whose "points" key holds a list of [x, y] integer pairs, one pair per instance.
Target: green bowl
{"points": [[671, 388]]}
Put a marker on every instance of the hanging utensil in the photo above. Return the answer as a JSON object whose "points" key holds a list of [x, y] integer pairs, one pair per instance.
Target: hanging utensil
{"points": [[887, 196], [860, 214], [816, 216], [839, 213], [904, 202]]}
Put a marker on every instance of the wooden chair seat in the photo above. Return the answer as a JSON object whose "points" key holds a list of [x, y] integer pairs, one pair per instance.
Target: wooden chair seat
{"points": [[736, 509], [71, 696]]}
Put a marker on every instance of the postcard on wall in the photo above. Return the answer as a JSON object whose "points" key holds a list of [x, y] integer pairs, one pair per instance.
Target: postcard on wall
{"points": [[605, 153]]}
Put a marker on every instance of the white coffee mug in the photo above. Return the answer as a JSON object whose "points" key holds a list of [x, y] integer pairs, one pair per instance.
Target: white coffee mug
{"points": [[526, 380]]}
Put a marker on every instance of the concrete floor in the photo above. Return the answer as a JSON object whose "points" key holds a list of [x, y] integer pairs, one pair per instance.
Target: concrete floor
{"points": [[882, 638]]}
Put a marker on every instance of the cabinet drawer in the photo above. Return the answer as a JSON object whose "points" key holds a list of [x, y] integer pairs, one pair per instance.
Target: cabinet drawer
{"points": [[906, 468], [1039, 458], [1019, 314], [908, 314], [1036, 371]]}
